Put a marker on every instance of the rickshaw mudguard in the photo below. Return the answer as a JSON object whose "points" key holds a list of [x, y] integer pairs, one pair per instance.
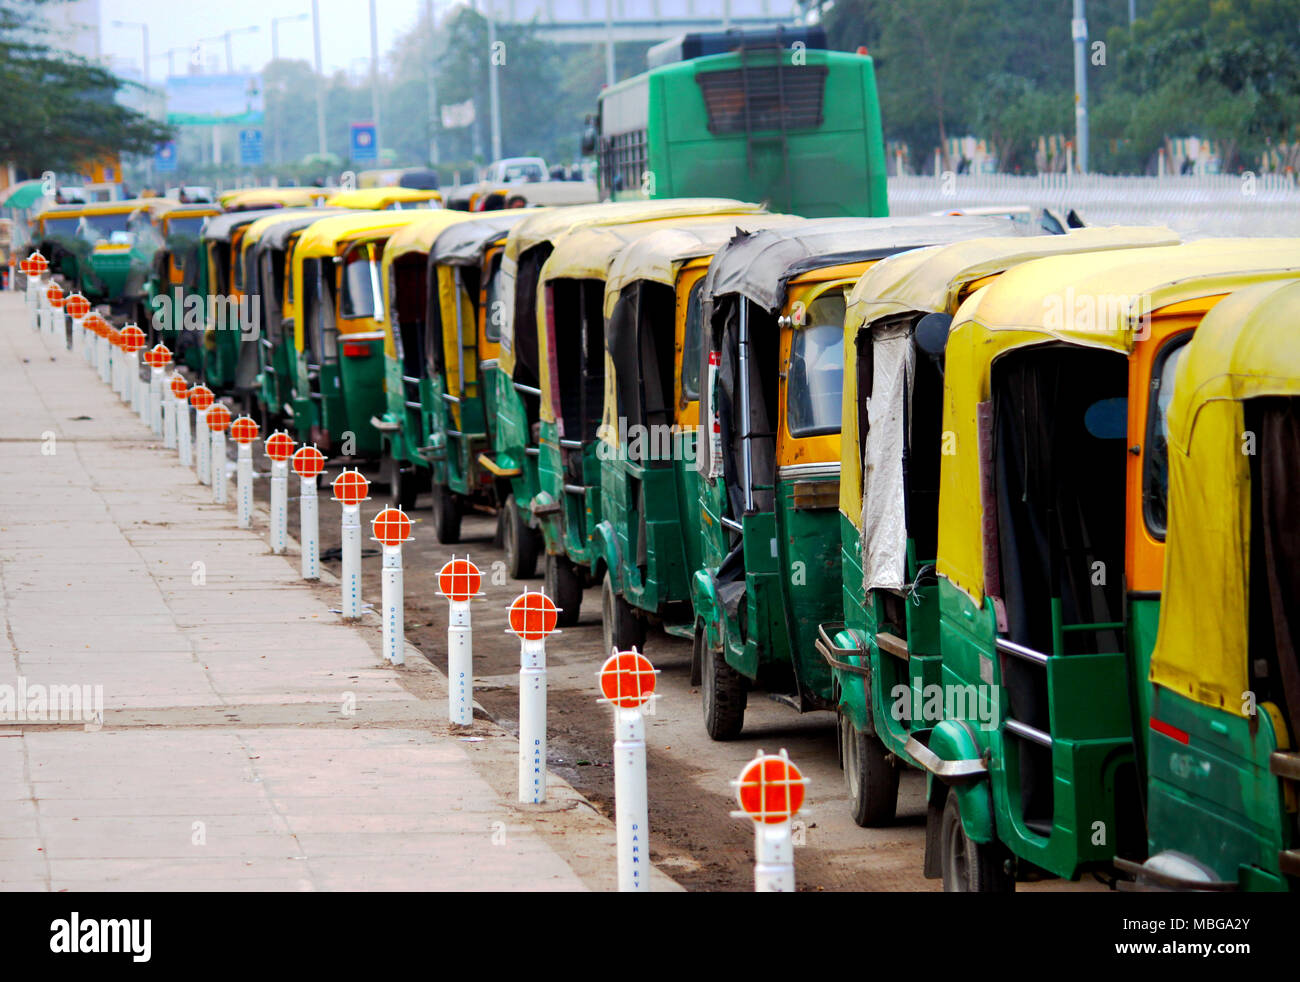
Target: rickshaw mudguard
{"points": [[851, 681], [603, 549], [951, 740], [708, 609]]}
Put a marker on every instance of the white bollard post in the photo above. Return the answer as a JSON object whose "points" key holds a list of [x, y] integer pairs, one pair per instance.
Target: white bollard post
{"points": [[184, 435], [155, 399], [31, 279], [101, 352], [391, 528], [770, 792], [350, 489], [218, 419], [169, 417], [308, 462], [201, 399], [627, 681], [459, 580], [532, 619], [78, 307], [244, 431], [279, 448], [139, 389]]}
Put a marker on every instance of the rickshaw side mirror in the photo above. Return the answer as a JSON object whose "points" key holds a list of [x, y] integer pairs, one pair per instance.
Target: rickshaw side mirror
{"points": [[932, 333]]}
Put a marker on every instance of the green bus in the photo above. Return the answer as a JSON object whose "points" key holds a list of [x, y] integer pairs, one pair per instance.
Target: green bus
{"points": [[761, 116]]}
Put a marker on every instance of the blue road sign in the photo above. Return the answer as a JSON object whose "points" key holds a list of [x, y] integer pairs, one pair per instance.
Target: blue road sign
{"points": [[250, 147], [363, 142], [164, 157]]}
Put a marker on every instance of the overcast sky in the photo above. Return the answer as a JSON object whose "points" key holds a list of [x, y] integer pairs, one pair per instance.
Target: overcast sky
{"points": [[345, 30]]}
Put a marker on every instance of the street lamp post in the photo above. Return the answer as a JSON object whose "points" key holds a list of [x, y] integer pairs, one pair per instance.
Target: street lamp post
{"points": [[320, 85], [374, 78], [275, 56], [144, 33]]}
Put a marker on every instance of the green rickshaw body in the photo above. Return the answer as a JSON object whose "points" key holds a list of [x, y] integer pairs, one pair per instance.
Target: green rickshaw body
{"points": [[516, 384], [1225, 674], [885, 653], [1041, 750], [771, 371], [339, 337], [175, 275], [103, 249], [649, 466]]}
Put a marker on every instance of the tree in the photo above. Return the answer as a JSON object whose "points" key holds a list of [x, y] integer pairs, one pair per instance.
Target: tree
{"points": [[58, 112]]}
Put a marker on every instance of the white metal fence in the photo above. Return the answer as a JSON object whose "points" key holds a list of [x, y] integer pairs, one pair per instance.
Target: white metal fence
{"points": [[1194, 206]]}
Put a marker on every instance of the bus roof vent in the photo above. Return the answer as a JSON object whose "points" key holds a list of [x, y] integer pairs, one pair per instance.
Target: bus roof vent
{"points": [[690, 46]]}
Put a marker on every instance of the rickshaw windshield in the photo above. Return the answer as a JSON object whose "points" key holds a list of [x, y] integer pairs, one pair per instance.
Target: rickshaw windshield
{"points": [[360, 285], [817, 369], [1156, 478], [692, 342], [186, 226], [61, 226], [103, 228]]}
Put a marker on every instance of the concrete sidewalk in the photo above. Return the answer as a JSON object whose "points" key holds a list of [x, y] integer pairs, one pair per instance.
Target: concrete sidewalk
{"points": [[250, 739]]}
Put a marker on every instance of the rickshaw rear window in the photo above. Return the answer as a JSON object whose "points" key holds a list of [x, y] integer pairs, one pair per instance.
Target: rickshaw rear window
{"points": [[1155, 478], [61, 226], [692, 341], [359, 277], [817, 369], [186, 226]]}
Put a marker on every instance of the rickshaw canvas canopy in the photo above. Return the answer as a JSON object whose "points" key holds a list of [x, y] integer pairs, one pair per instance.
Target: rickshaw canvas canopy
{"points": [[465, 243], [1246, 347], [415, 237], [1036, 303], [220, 228]]}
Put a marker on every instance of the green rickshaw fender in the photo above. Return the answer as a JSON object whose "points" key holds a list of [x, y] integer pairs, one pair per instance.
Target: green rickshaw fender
{"points": [[704, 598], [604, 549], [850, 697], [546, 513], [952, 740]]}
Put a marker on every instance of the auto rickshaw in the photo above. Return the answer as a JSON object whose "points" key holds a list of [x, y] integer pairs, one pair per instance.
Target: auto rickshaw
{"points": [[173, 274], [771, 370], [338, 329], [103, 249], [514, 441], [1052, 513], [1224, 688], [408, 304], [258, 199], [386, 199], [887, 643], [649, 479], [456, 389], [263, 249]]}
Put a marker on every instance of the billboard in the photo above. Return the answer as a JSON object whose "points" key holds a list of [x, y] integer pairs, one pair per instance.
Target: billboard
{"points": [[213, 100]]}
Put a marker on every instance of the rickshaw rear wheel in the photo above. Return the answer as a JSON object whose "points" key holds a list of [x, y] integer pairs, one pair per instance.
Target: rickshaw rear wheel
{"points": [[403, 485], [621, 628], [969, 866], [724, 696], [520, 542], [446, 515], [563, 584], [869, 777]]}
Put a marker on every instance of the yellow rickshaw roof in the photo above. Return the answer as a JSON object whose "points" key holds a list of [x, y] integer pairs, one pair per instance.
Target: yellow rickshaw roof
{"points": [[658, 257], [323, 238], [112, 207], [377, 198], [1156, 276], [552, 223], [1246, 347], [253, 233], [422, 232], [263, 197], [931, 280], [586, 253]]}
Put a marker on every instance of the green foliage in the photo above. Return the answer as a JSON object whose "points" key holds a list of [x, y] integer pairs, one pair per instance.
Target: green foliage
{"points": [[58, 112]]}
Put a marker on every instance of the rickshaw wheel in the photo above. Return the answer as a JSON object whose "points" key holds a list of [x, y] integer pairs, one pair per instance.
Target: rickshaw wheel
{"points": [[403, 486], [446, 515], [968, 866], [520, 543], [870, 779], [621, 628], [724, 697], [563, 584]]}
